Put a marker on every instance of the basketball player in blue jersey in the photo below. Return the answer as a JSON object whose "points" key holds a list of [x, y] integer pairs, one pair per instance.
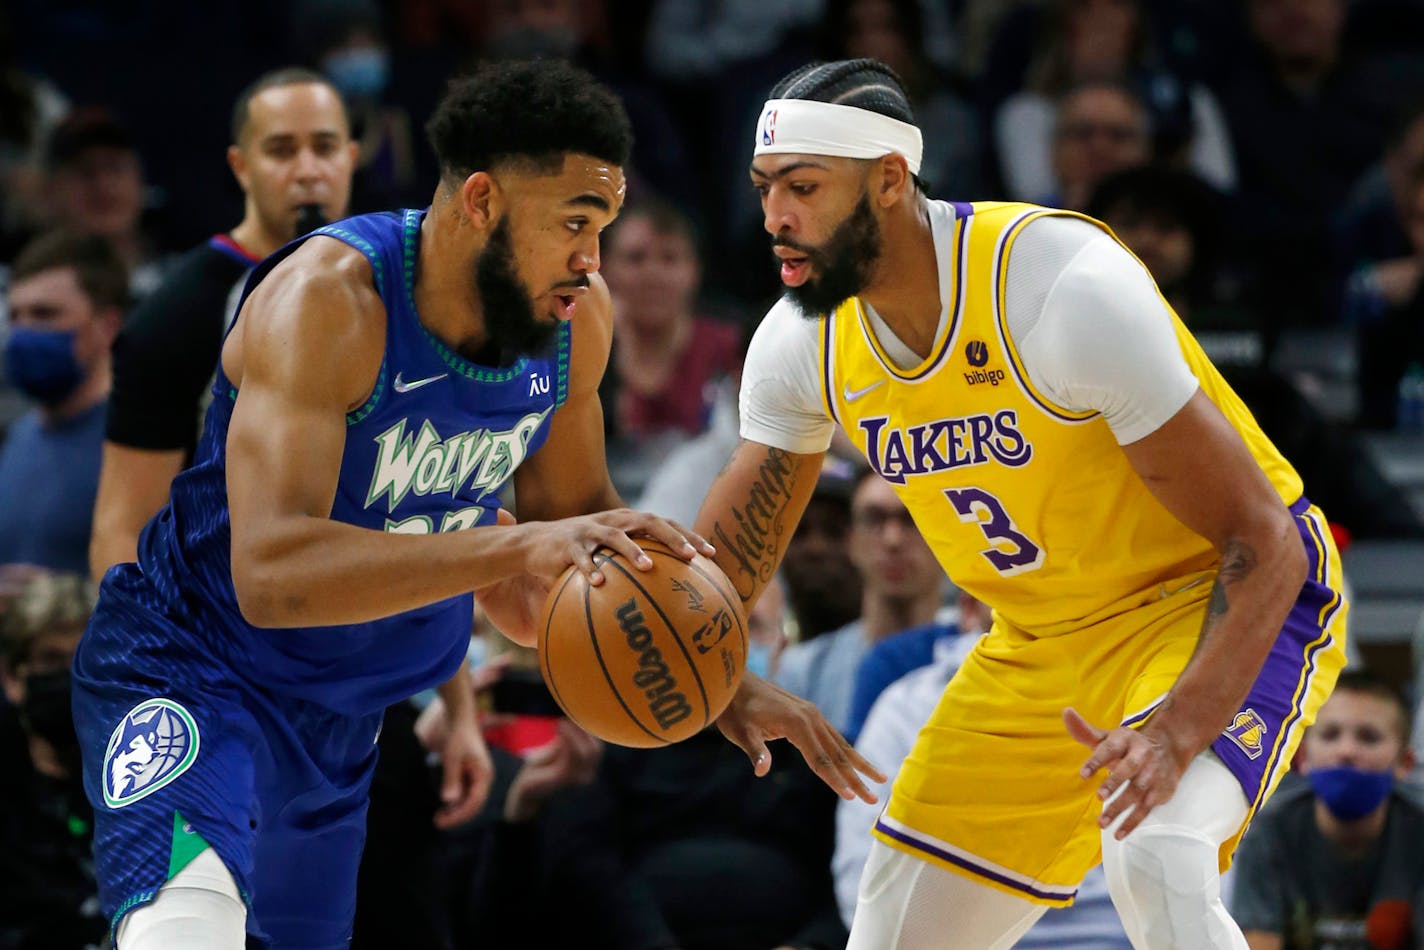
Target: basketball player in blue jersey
{"points": [[1167, 606], [384, 379]]}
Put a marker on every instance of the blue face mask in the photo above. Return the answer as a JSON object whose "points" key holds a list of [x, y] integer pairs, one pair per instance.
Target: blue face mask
{"points": [[759, 659], [1351, 793], [359, 73], [42, 364]]}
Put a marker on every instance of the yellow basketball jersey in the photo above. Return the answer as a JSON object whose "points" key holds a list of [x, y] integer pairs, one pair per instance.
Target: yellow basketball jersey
{"points": [[1031, 507]]}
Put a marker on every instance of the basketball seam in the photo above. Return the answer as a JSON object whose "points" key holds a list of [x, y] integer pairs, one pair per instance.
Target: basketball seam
{"points": [[677, 638], [598, 654]]}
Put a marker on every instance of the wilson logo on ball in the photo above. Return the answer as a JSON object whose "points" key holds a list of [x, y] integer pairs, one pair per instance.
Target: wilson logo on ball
{"points": [[665, 702]]}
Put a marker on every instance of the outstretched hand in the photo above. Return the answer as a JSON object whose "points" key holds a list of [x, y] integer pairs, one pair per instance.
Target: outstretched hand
{"points": [[1142, 770], [761, 711]]}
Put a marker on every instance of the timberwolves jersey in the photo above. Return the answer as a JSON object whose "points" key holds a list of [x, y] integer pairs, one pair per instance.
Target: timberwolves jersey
{"points": [[429, 451], [1031, 507]]}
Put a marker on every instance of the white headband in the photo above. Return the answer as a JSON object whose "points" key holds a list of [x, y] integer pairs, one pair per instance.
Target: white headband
{"points": [[804, 126]]}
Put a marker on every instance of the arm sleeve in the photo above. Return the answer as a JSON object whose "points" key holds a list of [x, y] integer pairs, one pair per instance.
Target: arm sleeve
{"points": [[780, 398], [163, 359], [1102, 339]]}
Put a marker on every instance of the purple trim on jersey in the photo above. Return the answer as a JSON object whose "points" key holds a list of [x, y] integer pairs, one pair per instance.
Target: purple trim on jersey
{"points": [[968, 865], [226, 246], [828, 342], [962, 209]]}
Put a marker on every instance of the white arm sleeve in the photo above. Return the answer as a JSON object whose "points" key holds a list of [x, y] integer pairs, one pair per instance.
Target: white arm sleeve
{"points": [[780, 401], [1092, 331]]}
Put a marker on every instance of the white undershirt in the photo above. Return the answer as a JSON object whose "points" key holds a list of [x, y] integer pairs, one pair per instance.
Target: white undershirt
{"points": [[1085, 316]]}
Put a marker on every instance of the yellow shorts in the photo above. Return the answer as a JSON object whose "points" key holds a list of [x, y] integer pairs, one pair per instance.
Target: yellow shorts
{"points": [[991, 788]]}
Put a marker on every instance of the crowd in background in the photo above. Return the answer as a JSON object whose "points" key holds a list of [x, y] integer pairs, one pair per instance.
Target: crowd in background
{"points": [[1263, 158]]}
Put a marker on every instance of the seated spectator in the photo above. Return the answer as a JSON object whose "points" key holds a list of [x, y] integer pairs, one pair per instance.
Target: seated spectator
{"points": [[96, 186], [902, 587], [822, 584], [30, 107], [887, 738], [900, 654], [1099, 128], [48, 895], [1372, 250], [1337, 863], [66, 298], [1395, 339], [766, 630], [1082, 42]]}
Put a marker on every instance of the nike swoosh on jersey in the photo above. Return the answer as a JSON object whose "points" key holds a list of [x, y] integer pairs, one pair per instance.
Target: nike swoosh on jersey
{"points": [[401, 386], [851, 395]]}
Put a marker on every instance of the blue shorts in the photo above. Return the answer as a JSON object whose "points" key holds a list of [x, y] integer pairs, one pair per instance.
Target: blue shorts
{"points": [[181, 752]]}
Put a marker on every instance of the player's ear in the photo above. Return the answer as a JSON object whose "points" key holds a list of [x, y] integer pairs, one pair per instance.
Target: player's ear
{"points": [[481, 198], [892, 176], [238, 163]]}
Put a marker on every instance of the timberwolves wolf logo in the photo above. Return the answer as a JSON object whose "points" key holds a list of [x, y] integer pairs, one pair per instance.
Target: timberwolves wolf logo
{"points": [[154, 744], [1247, 730]]}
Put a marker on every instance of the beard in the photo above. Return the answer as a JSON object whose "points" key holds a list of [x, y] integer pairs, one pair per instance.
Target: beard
{"points": [[510, 323], [843, 264]]}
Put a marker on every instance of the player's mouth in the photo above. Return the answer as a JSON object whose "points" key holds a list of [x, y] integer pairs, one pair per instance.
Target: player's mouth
{"points": [[566, 302], [795, 268]]}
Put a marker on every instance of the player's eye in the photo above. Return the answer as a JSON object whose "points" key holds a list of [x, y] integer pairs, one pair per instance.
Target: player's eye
{"points": [[577, 225], [802, 188]]}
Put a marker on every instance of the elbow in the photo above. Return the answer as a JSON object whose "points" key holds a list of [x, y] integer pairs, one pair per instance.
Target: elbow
{"points": [[258, 588]]}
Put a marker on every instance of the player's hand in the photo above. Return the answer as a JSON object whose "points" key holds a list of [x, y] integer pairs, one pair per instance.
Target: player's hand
{"points": [[554, 545], [1143, 769], [467, 773], [761, 711], [571, 759]]}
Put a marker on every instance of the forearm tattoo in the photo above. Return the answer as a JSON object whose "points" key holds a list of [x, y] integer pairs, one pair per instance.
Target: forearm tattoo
{"points": [[753, 535], [1237, 563]]}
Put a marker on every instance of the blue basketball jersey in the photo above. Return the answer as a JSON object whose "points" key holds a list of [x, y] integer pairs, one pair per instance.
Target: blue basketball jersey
{"points": [[429, 451]]}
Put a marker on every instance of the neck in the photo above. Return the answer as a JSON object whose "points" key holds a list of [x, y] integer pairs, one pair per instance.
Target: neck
{"points": [[904, 289], [1351, 837], [91, 392], [255, 238], [445, 295], [882, 616], [45, 760]]}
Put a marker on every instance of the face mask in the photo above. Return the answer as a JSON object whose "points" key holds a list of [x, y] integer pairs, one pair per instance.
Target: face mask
{"points": [[46, 713], [42, 365], [759, 659], [1351, 793], [359, 73]]}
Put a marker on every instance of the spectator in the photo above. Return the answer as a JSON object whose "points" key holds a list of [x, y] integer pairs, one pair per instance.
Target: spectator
{"points": [[766, 630], [1096, 41], [48, 896], [893, 31], [822, 583], [1395, 339], [1337, 863], [900, 654], [66, 299], [659, 386], [96, 186], [1372, 232], [1101, 127], [902, 587], [292, 155], [1307, 118], [889, 734], [30, 107]]}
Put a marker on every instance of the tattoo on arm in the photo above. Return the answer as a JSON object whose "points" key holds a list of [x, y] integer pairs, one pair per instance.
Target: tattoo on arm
{"points": [[1237, 562], [753, 537]]}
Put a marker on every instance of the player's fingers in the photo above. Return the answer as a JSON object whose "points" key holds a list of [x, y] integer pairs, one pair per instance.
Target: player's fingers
{"points": [[1125, 797], [1107, 754], [581, 556], [626, 546], [696, 540], [1081, 730], [1127, 769], [504, 518], [753, 746]]}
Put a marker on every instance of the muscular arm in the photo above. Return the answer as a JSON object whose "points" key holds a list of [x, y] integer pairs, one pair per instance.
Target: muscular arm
{"points": [[133, 486], [752, 509], [307, 349], [1199, 469]]}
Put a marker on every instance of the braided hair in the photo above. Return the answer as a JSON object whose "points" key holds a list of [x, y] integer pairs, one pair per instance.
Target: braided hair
{"points": [[862, 83]]}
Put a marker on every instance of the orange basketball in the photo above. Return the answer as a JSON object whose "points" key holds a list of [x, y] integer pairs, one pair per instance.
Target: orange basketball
{"points": [[648, 657]]}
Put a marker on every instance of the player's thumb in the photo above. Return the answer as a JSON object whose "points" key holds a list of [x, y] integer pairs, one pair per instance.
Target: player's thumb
{"points": [[1080, 729], [503, 517]]}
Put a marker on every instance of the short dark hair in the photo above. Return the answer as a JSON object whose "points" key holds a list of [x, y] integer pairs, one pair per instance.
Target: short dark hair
{"points": [[863, 83], [664, 218], [276, 79], [85, 128], [101, 272], [1368, 684], [528, 111]]}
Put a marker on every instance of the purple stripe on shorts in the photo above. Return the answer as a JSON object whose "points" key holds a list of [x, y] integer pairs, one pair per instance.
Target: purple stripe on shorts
{"points": [[968, 865]]}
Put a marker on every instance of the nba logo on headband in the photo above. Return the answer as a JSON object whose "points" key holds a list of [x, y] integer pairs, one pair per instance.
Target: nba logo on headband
{"points": [[768, 127]]}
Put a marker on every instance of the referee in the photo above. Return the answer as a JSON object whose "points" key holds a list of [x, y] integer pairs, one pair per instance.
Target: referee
{"points": [[293, 157]]}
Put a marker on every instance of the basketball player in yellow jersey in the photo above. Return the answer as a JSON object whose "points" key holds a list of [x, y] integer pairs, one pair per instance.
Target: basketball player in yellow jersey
{"points": [[1167, 607]]}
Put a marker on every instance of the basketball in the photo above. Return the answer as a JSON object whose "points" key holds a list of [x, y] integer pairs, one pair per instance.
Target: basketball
{"points": [[647, 658]]}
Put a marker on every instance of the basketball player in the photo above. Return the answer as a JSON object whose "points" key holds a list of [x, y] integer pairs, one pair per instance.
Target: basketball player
{"points": [[1167, 615], [383, 380]]}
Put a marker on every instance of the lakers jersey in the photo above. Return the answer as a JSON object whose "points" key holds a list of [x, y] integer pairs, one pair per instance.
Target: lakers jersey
{"points": [[1028, 505]]}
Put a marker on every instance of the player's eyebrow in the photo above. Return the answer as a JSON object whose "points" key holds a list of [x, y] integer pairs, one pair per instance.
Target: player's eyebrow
{"points": [[590, 199], [786, 170]]}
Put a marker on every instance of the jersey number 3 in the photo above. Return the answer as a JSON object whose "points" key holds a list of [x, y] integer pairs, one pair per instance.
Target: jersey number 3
{"points": [[1010, 550]]}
